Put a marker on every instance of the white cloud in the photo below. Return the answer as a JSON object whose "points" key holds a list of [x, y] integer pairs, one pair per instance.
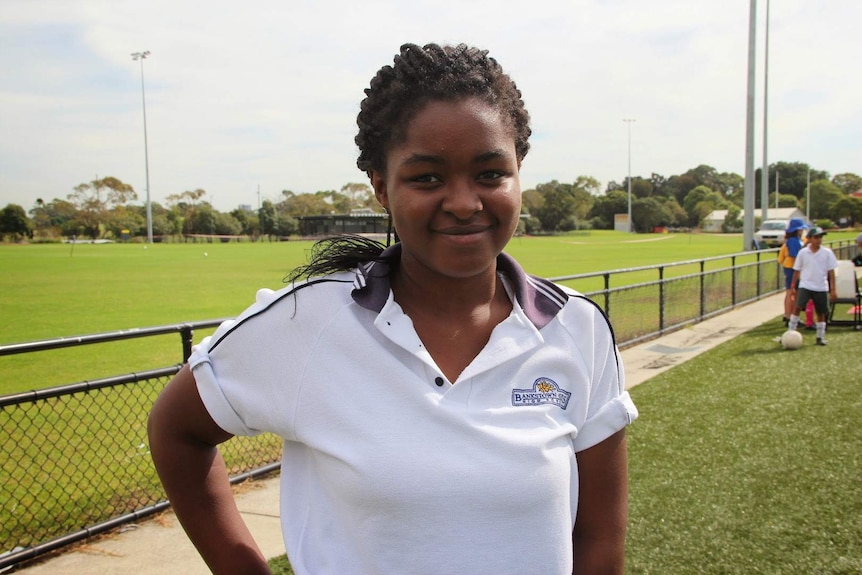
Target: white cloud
{"points": [[266, 93]]}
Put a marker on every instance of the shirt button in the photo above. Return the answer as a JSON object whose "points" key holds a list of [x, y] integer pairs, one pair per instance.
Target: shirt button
{"points": [[438, 381]]}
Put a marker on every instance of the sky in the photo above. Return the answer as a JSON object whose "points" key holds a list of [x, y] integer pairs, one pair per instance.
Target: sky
{"points": [[246, 99]]}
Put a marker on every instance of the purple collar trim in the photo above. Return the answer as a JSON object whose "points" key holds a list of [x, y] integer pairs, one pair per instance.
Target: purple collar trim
{"points": [[540, 299]]}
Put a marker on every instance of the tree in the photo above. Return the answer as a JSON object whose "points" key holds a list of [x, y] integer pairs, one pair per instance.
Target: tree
{"points": [[606, 207], [226, 225], [361, 196], [122, 218], [702, 195], [784, 200], [678, 216], [531, 201], [824, 196], [847, 210], [94, 199], [202, 221], [267, 217], [733, 220], [14, 223], [589, 184], [641, 188], [732, 186], [296, 205], [847, 182], [648, 213], [286, 226], [50, 218], [792, 179], [249, 220], [558, 207]]}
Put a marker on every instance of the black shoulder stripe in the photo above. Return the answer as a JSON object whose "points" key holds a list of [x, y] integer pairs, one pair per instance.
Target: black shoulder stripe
{"points": [[611, 328], [280, 298]]}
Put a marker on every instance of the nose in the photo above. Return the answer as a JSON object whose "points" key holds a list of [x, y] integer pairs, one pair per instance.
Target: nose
{"points": [[462, 200]]}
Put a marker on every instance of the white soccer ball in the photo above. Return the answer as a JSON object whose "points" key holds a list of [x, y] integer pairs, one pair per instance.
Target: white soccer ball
{"points": [[791, 339], [205, 254]]}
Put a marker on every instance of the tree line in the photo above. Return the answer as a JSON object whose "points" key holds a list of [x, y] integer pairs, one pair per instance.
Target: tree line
{"points": [[106, 208]]}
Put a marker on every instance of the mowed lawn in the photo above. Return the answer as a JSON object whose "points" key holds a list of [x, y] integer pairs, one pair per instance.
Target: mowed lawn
{"points": [[60, 290], [744, 460]]}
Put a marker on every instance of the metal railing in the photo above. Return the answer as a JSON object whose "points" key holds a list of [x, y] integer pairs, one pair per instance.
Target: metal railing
{"points": [[668, 297], [74, 459]]}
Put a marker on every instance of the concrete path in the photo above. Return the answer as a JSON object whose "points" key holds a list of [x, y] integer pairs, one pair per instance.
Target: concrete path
{"points": [[158, 546]]}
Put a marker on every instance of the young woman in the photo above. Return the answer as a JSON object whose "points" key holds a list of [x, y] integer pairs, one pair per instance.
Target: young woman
{"points": [[442, 411]]}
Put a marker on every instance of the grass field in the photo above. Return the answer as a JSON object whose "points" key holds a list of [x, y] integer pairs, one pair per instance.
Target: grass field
{"points": [[747, 459], [54, 290], [736, 467]]}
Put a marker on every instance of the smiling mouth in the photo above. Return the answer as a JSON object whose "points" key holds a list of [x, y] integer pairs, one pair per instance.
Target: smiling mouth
{"points": [[463, 230]]}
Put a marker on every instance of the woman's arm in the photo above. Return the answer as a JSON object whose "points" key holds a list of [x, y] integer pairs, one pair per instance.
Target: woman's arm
{"points": [[183, 439], [600, 528]]}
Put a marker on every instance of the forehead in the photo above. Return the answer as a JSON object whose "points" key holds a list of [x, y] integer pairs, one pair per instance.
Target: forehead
{"points": [[468, 122]]}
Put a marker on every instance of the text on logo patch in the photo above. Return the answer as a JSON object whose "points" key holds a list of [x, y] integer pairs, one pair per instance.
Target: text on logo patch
{"points": [[544, 391]]}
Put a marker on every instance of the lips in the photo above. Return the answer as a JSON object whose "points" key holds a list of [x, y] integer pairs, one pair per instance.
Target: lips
{"points": [[464, 230]]}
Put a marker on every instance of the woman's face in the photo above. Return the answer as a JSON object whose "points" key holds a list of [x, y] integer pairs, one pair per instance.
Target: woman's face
{"points": [[452, 188]]}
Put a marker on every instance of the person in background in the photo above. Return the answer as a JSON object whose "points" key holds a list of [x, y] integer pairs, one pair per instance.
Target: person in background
{"points": [[814, 279], [442, 410], [857, 261], [786, 257]]}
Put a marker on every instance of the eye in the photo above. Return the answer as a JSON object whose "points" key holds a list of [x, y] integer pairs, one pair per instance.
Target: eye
{"points": [[491, 175], [425, 179]]}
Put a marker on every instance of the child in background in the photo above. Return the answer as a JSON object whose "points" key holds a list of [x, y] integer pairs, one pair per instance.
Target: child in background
{"points": [[814, 277], [786, 257]]}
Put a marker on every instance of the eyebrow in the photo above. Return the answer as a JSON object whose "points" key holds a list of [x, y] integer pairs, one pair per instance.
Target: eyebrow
{"points": [[432, 159]]}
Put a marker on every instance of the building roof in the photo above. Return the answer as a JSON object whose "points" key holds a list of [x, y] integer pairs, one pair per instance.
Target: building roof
{"points": [[772, 214]]}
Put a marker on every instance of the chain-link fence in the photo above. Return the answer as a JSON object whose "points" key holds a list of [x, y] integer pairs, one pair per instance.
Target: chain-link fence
{"points": [[671, 296], [74, 460]]}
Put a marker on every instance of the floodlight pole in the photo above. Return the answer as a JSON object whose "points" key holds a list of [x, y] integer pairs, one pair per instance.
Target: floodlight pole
{"points": [[629, 219], [764, 176], [135, 57], [808, 197], [748, 193]]}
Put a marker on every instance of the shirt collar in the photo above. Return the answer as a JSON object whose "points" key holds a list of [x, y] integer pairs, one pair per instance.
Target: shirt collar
{"points": [[540, 299]]}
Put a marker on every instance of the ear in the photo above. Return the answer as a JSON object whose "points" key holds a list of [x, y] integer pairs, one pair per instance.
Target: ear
{"points": [[378, 182]]}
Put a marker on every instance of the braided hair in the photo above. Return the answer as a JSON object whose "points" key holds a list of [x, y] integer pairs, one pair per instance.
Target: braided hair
{"points": [[427, 74], [396, 94]]}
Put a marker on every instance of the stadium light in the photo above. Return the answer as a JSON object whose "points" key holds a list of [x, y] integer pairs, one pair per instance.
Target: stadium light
{"points": [[135, 57], [629, 219]]}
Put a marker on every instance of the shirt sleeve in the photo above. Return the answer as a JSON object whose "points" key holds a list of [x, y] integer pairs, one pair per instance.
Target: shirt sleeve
{"points": [[246, 372], [610, 407]]}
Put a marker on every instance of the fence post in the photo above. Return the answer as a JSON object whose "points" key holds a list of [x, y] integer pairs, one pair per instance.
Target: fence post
{"points": [[607, 277], [733, 281], [187, 335], [702, 286], [758, 276], [661, 299]]}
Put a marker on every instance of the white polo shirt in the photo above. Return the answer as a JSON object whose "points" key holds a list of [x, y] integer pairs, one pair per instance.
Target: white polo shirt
{"points": [[390, 469], [814, 268]]}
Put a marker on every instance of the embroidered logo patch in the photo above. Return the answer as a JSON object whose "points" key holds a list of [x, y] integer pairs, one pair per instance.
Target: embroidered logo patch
{"points": [[544, 391]]}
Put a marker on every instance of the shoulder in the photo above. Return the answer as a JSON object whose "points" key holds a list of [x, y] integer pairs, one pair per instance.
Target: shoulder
{"points": [[308, 303], [580, 312]]}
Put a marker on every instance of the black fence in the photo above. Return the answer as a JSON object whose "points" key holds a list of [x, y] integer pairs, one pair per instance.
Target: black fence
{"points": [[75, 462]]}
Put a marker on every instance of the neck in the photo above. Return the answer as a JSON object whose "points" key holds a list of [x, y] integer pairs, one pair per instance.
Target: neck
{"points": [[446, 296]]}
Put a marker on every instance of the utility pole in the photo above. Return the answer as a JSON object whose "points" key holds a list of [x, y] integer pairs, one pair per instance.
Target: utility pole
{"points": [[748, 193], [629, 219], [764, 175], [135, 57]]}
